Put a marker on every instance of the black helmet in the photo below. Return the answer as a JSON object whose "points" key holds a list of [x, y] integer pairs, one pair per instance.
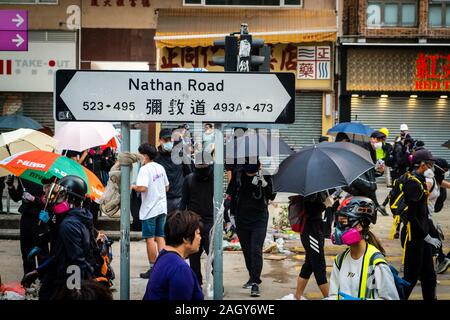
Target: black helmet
{"points": [[358, 210], [74, 185]]}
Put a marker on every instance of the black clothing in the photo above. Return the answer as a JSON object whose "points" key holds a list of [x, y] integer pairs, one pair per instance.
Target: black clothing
{"points": [[313, 242], [175, 173], [29, 231], [198, 196], [135, 205], [251, 201], [418, 253], [194, 259], [252, 242]]}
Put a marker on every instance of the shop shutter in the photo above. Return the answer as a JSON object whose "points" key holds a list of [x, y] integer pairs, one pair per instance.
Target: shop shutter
{"points": [[428, 119], [308, 121]]}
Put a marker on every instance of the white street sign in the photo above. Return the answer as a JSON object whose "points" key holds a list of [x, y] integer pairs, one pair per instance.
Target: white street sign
{"points": [[174, 96]]}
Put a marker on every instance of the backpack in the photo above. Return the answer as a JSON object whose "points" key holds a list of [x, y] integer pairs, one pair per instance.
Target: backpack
{"points": [[102, 254], [297, 213], [440, 199], [397, 197], [377, 257]]}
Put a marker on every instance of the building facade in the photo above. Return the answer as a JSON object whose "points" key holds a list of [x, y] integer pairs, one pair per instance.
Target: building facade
{"points": [[395, 67]]}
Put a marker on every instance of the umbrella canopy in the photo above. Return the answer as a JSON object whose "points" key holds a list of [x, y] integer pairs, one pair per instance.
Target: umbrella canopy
{"points": [[321, 167], [256, 144], [354, 130], [16, 121], [37, 165], [79, 136], [24, 140], [446, 144]]}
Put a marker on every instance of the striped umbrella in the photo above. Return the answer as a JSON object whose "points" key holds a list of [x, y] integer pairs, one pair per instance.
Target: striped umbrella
{"points": [[37, 165]]}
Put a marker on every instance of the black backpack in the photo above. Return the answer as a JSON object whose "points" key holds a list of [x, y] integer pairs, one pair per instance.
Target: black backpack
{"points": [[440, 199]]}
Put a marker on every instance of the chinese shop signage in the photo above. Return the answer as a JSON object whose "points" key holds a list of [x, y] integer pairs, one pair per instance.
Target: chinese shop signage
{"points": [[433, 72], [312, 71]]}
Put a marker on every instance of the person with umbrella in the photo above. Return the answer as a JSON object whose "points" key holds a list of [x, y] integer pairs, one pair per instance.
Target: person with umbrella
{"points": [[252, 192], [29, 194], [313, 240]]}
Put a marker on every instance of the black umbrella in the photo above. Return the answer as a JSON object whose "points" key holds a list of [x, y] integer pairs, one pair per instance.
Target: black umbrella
{"points": [[321, 167], [446, 144], [16, 121], [256, 144]]}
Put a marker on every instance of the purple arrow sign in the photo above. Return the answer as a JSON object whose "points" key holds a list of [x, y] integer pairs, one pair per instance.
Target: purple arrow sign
{"points": [[13, 41], [14, 20]]}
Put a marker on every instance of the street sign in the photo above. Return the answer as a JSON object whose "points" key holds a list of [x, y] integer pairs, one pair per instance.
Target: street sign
{"points": [[174, 96], [13, 41], [14, 20]]}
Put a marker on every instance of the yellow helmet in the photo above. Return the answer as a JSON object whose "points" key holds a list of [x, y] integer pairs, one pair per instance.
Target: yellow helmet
{"points": [[385, 131]]}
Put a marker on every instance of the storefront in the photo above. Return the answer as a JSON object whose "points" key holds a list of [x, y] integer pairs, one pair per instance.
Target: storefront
{"points": [[26, 78], [298, 45], [388, 86]]}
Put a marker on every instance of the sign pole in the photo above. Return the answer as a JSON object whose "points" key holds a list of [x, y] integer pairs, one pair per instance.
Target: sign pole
{"points": [[125, 217], [218, 199]]}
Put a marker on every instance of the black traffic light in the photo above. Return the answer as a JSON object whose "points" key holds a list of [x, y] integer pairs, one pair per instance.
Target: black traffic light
{"points": [[229, 61]]}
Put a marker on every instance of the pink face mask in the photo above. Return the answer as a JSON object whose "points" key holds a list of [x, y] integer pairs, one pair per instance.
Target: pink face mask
{"points": [[351, 236], [61, 207]]}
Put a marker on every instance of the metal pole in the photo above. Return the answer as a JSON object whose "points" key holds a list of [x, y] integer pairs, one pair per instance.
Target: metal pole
{"points": [[218, 199], [125, 217]]}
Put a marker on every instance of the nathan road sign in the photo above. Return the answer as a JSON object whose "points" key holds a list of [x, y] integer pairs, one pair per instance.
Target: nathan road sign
{"points": [[174, 96]]}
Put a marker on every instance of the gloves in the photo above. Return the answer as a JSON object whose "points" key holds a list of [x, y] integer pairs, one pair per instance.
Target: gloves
{"points": [[433, 241], [259, 178], [10, 181], [33, 253], [43, 216], [28, 197], [29, 278]]}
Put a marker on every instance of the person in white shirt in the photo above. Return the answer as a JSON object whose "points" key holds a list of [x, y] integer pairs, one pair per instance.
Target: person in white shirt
{"points": [[153, 184], [361, 271]]}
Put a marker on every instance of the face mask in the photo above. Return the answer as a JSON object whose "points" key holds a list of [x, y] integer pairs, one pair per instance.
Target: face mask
{"points": [[168, 146], [347, 236], [446, 174], [61, 208], [378, 145]]}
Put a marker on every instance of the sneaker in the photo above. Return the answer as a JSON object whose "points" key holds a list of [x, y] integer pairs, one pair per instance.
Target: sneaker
{"points": [[255, 291], [443, 266], [146, 274], [247, 285]]}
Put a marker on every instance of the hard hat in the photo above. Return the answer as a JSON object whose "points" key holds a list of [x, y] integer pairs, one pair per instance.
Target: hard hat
{"points": [[404, 127], [385, 131]]}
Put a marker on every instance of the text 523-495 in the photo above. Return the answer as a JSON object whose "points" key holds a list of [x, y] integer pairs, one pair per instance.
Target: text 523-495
{"points": [[94, 106]]}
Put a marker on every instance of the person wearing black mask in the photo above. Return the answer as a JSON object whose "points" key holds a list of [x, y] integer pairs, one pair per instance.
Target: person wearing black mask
{"points": [[252, 192], [198, 197]]}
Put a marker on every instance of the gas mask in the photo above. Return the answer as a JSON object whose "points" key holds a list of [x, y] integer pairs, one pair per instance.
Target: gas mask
{"points": [[57, 197], [347, 236]]}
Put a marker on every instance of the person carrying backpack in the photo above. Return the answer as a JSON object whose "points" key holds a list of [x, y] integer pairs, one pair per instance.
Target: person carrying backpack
{"points": [[437, 186], [416, 238], [361, 272], [313, 240]]}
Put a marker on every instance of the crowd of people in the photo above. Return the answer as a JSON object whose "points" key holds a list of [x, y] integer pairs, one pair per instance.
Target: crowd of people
{"points": [[176, 213]]}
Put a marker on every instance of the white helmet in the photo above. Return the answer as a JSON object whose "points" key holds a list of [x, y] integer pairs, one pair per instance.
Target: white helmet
{"points": [[404, 127]]}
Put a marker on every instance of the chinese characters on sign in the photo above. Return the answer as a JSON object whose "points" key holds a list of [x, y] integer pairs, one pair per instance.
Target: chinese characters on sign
{"points": [[432, 72], [313, 62]]}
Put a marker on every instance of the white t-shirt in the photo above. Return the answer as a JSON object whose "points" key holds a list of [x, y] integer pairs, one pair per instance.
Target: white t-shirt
{"points": [[347, 280], [434, 194], [154, 202]]}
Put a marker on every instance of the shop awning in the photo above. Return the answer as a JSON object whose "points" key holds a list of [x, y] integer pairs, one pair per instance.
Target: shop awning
{"points": [[189, 27]]}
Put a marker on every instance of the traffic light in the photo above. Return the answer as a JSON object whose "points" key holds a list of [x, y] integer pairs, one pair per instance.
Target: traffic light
{"points": [[243, 55], [229, 61]]}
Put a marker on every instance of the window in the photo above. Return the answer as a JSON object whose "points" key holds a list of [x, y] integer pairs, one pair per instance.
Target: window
{"points": [[29, 1], [439, 14], [393, 13], [270, 3]]}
